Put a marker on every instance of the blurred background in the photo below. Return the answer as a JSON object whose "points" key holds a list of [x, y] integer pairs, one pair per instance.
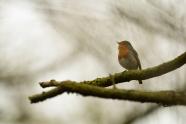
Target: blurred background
{"points": [[76, 40]]}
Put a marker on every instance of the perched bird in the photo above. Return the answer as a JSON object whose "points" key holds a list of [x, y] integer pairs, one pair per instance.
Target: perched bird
{"points": [[128, 57]]}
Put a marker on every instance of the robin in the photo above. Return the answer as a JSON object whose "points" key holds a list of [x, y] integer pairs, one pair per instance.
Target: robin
{"points": [[128, 57]]}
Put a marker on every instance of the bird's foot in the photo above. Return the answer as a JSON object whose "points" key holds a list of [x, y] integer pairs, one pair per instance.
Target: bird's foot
{"points": [[113, 81]]}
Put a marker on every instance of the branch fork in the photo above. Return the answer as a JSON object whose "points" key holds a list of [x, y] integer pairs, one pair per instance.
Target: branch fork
{"points": [[96, 87]]}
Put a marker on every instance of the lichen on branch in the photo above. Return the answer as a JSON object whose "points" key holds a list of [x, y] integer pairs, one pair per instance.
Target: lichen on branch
{"points": [[90, 88]]}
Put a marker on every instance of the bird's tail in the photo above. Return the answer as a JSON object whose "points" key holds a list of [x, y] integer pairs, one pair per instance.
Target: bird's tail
{"points": [[139, 63]]}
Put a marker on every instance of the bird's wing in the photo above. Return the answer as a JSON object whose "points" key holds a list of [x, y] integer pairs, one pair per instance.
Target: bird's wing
{"points": [[136, 56]]}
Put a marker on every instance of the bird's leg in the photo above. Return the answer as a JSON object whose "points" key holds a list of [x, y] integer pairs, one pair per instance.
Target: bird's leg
{"points": [[113, 81]]}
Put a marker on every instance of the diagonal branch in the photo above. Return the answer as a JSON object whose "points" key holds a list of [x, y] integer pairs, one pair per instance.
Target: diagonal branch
{"points": [[70, 86], [127, 76]]}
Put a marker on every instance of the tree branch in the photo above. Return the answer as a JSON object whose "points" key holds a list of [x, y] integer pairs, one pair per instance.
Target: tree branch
{"points": [[163, 97], [127, 76], [160, 97]]}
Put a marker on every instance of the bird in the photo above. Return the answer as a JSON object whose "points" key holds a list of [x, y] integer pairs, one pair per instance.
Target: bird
{"points": [[128, 57]]}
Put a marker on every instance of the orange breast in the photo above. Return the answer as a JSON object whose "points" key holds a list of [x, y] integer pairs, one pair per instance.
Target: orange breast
{"points": [[123, 51]]}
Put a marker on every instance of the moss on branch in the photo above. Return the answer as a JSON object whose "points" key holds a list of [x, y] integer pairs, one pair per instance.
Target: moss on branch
{"points": [[88, 88], [160, 97]]}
